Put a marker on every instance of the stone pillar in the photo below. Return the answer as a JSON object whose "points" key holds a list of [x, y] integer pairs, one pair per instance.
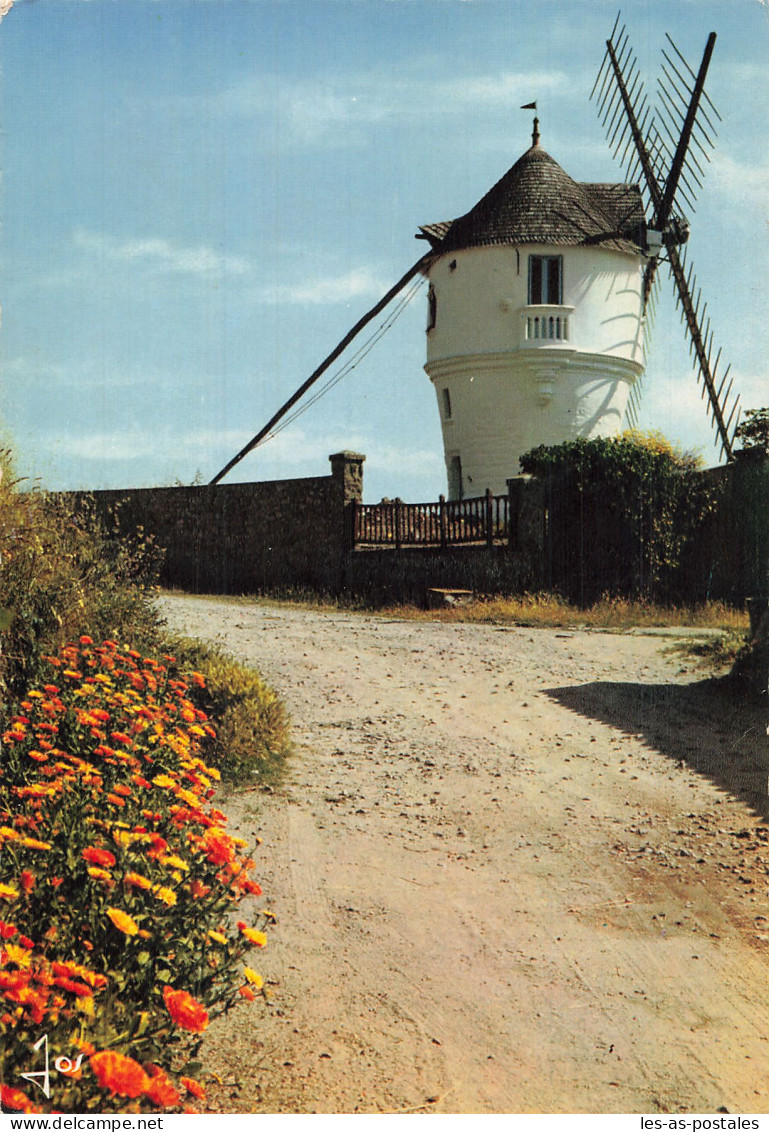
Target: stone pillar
{"points": [[526, 500], [347, 469], [750, 510]]}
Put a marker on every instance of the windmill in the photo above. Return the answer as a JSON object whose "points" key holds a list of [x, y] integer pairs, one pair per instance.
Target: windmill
{"points": [[667, 149], [539, 296]]}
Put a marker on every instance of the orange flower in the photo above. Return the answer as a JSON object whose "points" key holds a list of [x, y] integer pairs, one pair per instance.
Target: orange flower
{"points": [[186, 1011], [96, 856], [198, 889], [122, 921], [193, 1087], [13, 1100], [160, 1090], [119, 1074], [218, 846], [247, 993], [27, 880]]}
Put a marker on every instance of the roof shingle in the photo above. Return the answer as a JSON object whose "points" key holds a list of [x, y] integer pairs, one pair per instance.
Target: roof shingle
{"points": [[536, 202]]}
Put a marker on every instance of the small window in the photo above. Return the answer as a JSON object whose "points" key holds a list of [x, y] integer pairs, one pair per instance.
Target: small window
{"points": [[456, 488], [432, 307], [545, 280], [446, 405]]}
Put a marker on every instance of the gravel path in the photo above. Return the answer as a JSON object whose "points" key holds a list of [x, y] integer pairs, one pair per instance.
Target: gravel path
{"points": [[514, 871]]}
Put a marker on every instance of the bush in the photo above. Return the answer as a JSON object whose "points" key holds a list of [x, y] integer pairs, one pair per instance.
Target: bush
{"points": [[622, 513], [62, 576], [252, 735]]}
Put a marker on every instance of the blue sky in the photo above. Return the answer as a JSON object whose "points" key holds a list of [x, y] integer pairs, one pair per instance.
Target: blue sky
{"points": [[199, 198]]}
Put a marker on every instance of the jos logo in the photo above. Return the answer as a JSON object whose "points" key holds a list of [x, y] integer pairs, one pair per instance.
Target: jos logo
{"points": [[42, 1077]]}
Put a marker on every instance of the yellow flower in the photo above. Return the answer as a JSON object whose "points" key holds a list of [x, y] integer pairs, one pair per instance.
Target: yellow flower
{"points": [[9, 834], [33, 843], [253, 978], [122, 921], [18, 955], [98, 873], [174, 862], [8, 892], [164, 781], [217, 937], [188, 797], [256, 937], [85, 1006], [137, 880], [123, 838], [167, 895]]}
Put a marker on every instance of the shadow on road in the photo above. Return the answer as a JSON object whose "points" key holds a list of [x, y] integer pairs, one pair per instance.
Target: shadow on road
{"points": [[708, 726]]}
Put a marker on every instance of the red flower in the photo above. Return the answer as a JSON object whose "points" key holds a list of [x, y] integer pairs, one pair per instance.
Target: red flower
{"points": [[13, 1100], [27, 880], [193, 1087], [119, 1074], [186, 1011], [96, 856], [218, 846], [160, 1090]]}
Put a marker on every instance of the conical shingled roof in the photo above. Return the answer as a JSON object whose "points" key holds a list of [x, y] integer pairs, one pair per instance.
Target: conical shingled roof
{"points": [[536, 202]]}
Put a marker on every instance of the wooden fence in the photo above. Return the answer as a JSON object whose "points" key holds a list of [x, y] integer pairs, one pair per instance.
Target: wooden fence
{"points": [[485, 519]]}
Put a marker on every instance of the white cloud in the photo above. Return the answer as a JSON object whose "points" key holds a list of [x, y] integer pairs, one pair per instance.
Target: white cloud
{"points": [[744, 183], [307, 111], [360, 282], [142, 445], [160, 255]]}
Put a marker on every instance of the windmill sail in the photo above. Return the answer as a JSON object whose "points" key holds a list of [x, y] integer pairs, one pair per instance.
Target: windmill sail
{"points": [[669, 148]]}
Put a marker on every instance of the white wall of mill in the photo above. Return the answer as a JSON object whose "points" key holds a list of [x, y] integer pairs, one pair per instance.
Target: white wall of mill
{"points": [[509, 393]]}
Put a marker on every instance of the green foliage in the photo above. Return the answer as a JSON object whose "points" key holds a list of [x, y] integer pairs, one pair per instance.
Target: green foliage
{"points": [[62, 575], [252, 733], [753, 430], [622, 513]]}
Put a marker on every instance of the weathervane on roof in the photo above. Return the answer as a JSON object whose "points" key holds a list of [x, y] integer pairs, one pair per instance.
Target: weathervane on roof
{"points": [[535, 132]]}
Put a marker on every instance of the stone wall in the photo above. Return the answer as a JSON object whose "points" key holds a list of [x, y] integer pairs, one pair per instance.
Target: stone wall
{"points": [[297, 535], [246, 538]]}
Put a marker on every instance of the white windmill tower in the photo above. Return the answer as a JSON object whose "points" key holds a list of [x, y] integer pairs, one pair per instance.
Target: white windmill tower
{"points": [[535, 325], [538, 295]]}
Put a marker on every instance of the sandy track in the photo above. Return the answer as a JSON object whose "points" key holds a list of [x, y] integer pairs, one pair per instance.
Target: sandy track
{"points": [[511, 870]]}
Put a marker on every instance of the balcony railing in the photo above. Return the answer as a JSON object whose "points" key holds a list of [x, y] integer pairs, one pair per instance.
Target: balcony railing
{"points": [[546, 325]]}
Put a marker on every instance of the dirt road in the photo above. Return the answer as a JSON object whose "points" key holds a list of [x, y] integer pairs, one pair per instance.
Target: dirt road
{"points": [[513, 872]]}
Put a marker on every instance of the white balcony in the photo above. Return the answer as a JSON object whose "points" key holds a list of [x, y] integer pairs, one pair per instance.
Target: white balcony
{"points": [[545, 325]]}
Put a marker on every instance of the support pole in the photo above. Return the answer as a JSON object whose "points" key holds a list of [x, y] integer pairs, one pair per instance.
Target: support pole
{"points": [[351, 334]]}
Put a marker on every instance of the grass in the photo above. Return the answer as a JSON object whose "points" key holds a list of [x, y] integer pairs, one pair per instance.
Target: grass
{"points": [[544, 611]]}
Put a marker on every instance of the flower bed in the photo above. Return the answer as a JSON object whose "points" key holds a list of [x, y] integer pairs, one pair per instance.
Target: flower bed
{"points": [[117, 889]]}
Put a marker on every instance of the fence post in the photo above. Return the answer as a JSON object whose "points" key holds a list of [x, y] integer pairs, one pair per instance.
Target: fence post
{"points": [[489, 517], [397, 524], [442, 518]]}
